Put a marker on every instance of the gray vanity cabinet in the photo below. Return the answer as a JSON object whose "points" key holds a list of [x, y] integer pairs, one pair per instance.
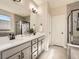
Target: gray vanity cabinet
{"points": [[27, 50], [16, 56], [26, 53]]}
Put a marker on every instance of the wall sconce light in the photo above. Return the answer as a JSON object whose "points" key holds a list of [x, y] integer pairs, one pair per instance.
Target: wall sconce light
{"points": [[17, 0], [34, 11]]}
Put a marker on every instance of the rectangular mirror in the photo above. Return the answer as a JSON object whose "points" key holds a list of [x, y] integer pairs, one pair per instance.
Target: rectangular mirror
{"points": [[13, 23], [22, 24]]}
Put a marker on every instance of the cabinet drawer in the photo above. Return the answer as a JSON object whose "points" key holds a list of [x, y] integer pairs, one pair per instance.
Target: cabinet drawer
{"points": [[41, 38], [14, 50], [34, 55], [34, 41], [34, 47]]}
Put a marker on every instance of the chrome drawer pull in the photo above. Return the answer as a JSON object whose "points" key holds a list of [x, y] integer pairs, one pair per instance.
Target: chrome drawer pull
{"points": [[19, 57], [34, 47], [22, 55]]}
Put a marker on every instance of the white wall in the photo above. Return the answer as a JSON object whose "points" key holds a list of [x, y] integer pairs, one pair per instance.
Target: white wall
{"points": [[21, 8]]}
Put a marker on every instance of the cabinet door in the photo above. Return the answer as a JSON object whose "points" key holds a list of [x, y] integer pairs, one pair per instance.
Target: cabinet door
{"points": [[16, 56], [39, 47], [26, 53], [42, 46]]}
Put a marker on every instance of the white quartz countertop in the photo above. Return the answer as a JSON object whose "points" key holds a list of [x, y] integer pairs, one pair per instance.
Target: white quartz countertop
{"points": [[73, 45], [5, 43]]}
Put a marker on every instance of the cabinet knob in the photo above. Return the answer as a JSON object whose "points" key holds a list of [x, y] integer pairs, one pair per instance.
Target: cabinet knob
{"points": [[34, 47]]}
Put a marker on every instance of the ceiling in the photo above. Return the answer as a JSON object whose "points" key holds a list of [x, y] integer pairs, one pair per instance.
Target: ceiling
{"points": [[20, 8], [39, 2], [57, 3]]}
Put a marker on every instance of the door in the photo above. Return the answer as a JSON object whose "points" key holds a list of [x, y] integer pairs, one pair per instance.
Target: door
{"points": [[59, 30], [26, 53], [16, 56]]}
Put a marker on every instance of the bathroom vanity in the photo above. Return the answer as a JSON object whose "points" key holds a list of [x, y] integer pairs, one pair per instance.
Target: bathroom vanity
{"points": [[23, 47]]}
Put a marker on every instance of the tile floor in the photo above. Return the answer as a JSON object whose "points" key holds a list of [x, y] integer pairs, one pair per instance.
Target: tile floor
{"points": [[54, 52]]}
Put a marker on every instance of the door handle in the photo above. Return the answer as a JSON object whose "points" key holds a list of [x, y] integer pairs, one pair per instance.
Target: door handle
{"points": [[62, 33], [19, 57]]}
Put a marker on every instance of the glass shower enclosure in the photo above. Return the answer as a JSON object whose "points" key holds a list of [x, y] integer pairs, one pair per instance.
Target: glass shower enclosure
{"points": [[73, 27]]}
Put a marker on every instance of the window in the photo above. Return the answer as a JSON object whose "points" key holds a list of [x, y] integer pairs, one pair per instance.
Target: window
{"points": [[5, 24]]}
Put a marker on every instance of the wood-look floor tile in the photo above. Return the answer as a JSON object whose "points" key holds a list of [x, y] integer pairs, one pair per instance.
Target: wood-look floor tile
{"points": [[54, 52]]}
